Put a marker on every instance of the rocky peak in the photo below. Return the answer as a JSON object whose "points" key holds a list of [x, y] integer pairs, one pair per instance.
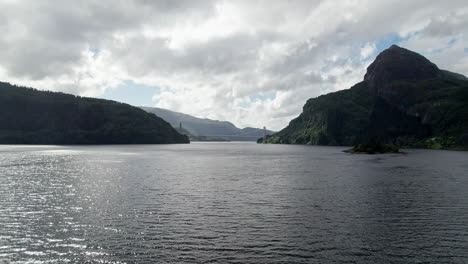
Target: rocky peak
{"points": [[396, 63]]}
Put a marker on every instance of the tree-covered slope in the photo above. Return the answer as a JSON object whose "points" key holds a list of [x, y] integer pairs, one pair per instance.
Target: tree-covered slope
{"points": [[430, 113], [333, 119], [207, 128], [404, 99], [29, 116]]}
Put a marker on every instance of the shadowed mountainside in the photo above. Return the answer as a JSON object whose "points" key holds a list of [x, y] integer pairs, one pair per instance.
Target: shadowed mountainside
{"points": [[29, 116], [404, 99]]}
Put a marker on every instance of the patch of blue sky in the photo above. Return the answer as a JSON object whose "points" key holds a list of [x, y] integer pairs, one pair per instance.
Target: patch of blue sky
{"points": [[466, 50], [257, 97], [388, 41], [452, 42], [95, 51], [132, 93], [262, 96], [382, 44], [448, 45], [245, 104]]}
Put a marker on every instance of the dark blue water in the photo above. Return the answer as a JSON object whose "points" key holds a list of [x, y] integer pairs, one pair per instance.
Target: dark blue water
{"points": [[231, 203]]}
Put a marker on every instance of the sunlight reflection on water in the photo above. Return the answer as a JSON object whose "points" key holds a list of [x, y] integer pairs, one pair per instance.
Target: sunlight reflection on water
{"points": [[230, 203]]}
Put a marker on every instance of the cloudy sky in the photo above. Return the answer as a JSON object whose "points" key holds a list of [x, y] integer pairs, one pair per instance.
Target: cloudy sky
{"points": [[253, 63]]}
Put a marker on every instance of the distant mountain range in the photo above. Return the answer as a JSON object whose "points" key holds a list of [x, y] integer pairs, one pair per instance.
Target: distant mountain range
{"points": [[207, 129], [404, 99], [29, 116]]}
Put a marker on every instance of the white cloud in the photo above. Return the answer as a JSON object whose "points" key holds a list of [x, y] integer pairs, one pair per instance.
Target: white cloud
{"points": [[368, 50], [210, 58]]}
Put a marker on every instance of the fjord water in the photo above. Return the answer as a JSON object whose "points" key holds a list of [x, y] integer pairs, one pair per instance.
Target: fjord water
{"points": [[231, 203]]}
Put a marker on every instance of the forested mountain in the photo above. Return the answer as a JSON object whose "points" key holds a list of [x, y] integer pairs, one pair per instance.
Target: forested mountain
{"points": [[404, 99], [29, 116], [207, 128]]}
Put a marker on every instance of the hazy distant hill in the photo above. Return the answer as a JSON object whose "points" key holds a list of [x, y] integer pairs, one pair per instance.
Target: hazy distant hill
{"points": [[207, 127], [404, 99], [29, 116]]}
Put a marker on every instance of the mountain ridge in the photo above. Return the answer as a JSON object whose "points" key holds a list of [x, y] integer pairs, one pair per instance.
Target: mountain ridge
{"points": [[30, 116], [208, 128], [404, 99]]}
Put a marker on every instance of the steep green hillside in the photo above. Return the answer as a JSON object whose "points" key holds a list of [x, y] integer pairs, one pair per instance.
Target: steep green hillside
{"points": [[333, 119], [404, 99], [28, 116]]}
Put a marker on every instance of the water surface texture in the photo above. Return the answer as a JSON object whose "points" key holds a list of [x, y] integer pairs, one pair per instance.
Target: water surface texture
{"points": [[231, 203]]}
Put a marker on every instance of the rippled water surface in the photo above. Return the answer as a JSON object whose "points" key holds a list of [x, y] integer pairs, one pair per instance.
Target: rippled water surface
{"points": [[231, 203]]}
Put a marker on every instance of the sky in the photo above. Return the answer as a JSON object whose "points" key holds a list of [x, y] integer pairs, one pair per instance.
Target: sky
{"points": [[254, 63]]}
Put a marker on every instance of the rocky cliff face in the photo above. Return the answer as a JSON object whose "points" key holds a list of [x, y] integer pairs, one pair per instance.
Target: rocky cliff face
{"points": [[404, 98], [395, 65]]}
